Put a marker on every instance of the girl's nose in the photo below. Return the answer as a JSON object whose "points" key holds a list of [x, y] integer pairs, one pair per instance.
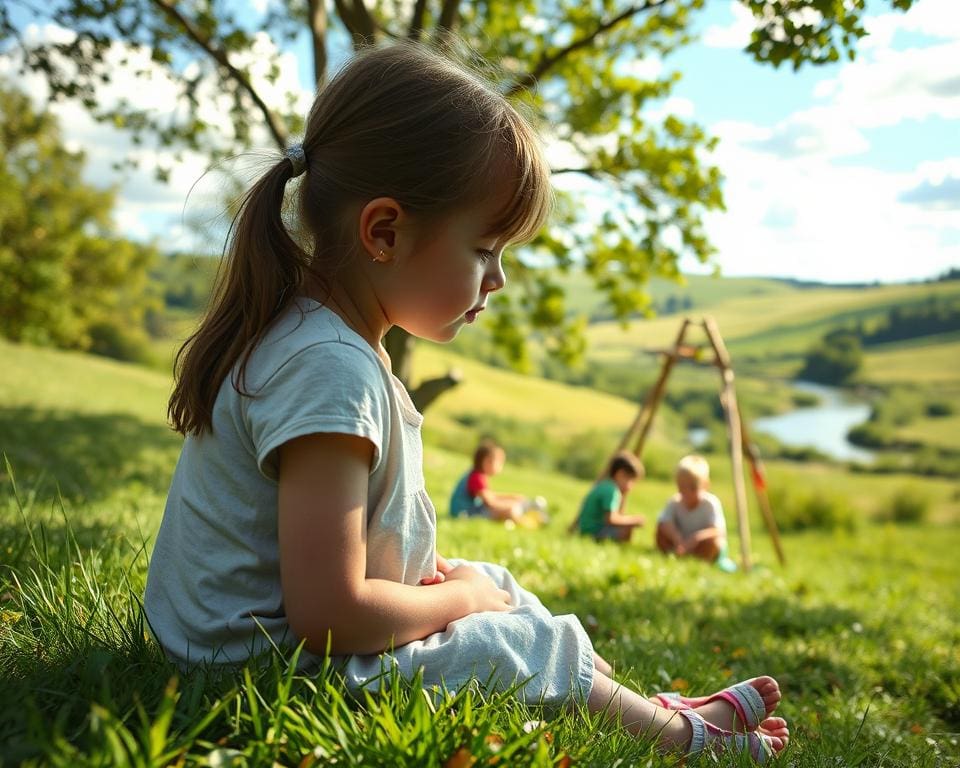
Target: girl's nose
{"points": [[494, 279]]}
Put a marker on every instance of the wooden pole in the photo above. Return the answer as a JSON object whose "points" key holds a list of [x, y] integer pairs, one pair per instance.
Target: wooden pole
{"points": [[729, 400], [760, 487], [653, 399]]}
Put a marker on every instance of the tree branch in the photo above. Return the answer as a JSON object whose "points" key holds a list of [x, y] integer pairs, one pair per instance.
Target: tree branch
{"points": [[547, 61], [358, 21], [593, 173], [449, 15], [416, 20], [220, 56], [318, 33]]}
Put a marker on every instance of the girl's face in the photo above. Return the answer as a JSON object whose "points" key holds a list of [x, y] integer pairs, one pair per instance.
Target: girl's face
{"points": [[451, 268]]}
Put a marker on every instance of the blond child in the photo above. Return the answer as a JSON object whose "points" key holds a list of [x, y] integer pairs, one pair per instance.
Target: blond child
{"points": [[692, 522]]}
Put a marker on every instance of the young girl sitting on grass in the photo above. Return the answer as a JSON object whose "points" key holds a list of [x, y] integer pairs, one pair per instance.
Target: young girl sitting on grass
{"points": [[297, 512]]}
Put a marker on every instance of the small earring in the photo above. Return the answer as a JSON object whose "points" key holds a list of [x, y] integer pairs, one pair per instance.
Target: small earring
{"points": [[380, 256]]}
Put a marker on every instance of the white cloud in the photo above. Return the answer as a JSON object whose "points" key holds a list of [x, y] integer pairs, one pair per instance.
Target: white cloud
{"points": [[935, 186], [933, 18], [734, 35], [645, 68], [891, 86], [810, 219], [811, 132], [793, 210], [673, 105], [34, 34]]}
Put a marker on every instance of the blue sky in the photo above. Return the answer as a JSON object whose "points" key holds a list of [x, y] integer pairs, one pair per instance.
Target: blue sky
{"points": [[849, 172]]}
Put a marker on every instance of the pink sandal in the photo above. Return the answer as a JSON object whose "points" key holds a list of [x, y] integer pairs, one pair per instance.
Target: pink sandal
{"points": [[743, 697], [708, 737]]}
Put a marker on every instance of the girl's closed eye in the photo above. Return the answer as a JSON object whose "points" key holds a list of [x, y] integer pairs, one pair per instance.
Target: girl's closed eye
{"points": [[485, 254]]}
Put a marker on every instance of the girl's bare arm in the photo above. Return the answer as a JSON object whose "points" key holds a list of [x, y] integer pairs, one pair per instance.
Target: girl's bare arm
{"points": [[322, 535]]}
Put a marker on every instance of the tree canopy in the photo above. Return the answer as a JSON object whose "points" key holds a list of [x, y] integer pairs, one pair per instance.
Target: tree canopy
{"points": [[65, 278], [573, 63]]}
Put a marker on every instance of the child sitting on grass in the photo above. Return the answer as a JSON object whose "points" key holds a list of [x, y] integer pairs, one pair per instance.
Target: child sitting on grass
{"points": [[601, 514], [298, 516], [472, 495], [692, 522]]}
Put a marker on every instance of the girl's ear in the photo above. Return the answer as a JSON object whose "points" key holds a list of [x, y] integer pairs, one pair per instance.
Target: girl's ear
{"points": [[380, 223]]}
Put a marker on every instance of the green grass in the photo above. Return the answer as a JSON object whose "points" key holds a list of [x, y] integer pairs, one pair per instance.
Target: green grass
{"points": [[859, 627]]}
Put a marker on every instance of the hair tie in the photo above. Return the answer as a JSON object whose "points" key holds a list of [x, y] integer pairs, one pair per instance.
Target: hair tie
{"points": [[297, 158]]}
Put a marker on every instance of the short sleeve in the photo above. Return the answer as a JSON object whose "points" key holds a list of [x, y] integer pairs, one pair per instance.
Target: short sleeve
{"points": [[328, 387], [612, 498], [477, 482], [716, 509]]}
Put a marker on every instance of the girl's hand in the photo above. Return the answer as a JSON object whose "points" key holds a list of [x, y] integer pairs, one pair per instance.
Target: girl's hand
{"points": [[484, 594], [443, 568]]}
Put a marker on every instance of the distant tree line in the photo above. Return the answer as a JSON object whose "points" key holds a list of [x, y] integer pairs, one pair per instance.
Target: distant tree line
{"points": [[669, 305], [839, 354], [184, 280], [834, 359], [936, 315], [951, 274]]}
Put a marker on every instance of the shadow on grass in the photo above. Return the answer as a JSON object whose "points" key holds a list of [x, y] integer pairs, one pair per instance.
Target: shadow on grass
{"points": [[83, 457], [55, 700], [770, 634]]}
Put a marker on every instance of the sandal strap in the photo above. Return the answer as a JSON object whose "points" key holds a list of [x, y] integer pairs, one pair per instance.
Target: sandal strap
{"points": [[743, 697], [747, 702], [698, 741], [706, 734], [670, 700]]}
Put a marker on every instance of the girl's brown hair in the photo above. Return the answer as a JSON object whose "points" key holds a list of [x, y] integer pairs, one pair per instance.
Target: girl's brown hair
{"points": [[399, 122]]}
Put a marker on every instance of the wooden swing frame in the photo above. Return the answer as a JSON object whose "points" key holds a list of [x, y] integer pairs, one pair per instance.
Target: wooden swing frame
{"points": [[739, 440]]}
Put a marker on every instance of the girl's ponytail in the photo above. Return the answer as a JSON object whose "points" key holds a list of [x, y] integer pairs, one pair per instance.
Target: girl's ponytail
{"points": [[400, 122], [261, 275]]}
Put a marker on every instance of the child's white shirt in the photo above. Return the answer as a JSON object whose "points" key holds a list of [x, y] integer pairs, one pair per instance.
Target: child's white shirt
{"points": [[707, 514]]}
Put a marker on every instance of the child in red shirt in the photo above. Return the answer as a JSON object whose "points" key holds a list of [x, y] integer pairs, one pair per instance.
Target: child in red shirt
{"points": [[473, 495]]}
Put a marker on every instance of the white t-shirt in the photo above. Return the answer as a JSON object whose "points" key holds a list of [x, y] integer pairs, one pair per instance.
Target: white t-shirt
{"points": [[214, 577], [213, 588], [707, 514]]}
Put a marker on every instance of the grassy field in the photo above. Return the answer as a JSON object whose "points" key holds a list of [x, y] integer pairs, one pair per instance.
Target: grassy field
{"points": [[859, 627]]}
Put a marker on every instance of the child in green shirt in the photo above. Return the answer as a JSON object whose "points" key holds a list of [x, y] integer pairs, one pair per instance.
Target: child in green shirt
{"points": [[602, 512]]}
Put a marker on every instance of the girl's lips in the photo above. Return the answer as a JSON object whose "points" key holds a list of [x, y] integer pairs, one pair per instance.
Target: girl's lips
{"points": [[471, 314]]}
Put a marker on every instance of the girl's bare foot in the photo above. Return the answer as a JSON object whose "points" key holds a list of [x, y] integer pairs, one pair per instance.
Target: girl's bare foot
{"points": [[720, 711]]}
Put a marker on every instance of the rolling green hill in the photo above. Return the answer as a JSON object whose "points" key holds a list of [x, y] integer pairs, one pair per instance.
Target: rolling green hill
{"points": [[767, 327]]}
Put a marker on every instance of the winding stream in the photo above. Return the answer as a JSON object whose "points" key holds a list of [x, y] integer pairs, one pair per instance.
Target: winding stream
{"points": [[823, 426]]}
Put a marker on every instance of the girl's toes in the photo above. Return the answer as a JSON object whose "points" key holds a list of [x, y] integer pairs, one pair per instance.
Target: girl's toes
{"points": [[774, 726], [769, 691]]}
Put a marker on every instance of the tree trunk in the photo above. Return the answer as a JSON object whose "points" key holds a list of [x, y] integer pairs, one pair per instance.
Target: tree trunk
{"points": [[399, 345], [318, 33]]}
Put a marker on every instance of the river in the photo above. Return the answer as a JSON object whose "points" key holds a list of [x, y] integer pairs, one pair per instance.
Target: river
{"points": [[823, 426]]}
